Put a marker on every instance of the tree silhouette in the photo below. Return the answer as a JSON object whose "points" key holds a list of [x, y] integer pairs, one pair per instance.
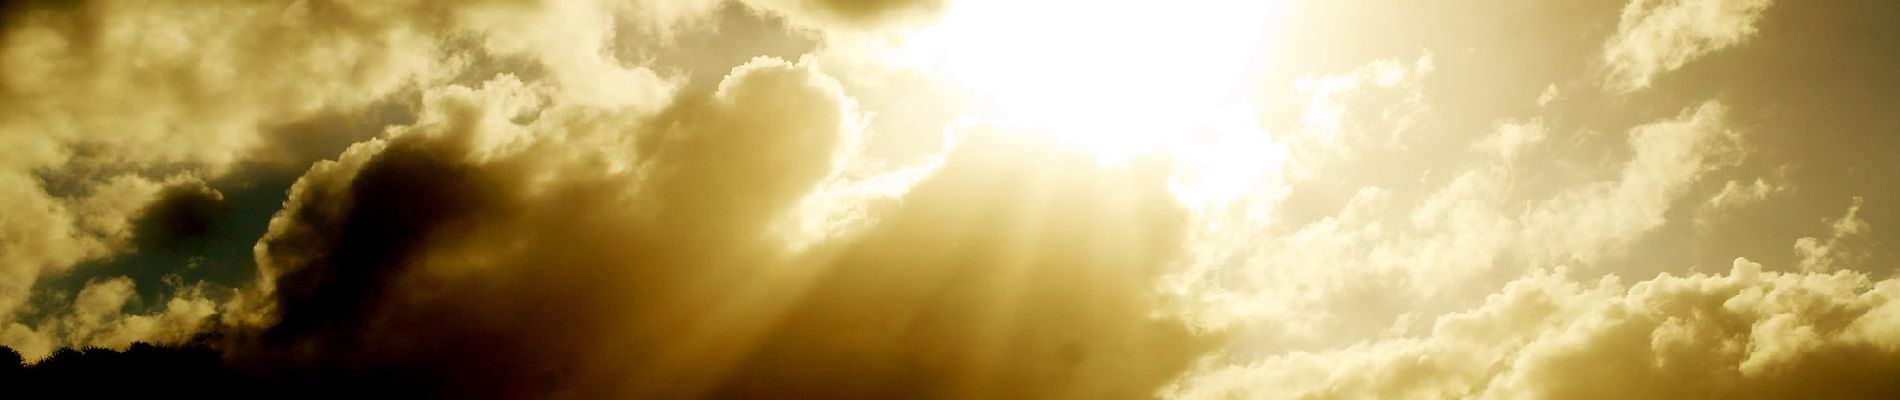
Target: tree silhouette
{"points": [[199, 370], [194, 370]]}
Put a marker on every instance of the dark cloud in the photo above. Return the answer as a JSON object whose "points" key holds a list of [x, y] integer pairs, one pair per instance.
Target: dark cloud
{"points": [[182, 218], [402, 199], [1019, 270]]}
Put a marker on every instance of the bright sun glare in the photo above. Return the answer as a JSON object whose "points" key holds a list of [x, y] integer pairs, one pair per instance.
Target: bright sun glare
{"points": [[1126, 78]]}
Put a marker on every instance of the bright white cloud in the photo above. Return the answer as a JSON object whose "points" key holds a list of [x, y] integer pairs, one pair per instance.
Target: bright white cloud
{"points": [[1657, 36]]}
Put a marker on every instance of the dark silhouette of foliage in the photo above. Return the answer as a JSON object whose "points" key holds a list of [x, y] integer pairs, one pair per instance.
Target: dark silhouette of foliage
{"points": [[194, 370]]}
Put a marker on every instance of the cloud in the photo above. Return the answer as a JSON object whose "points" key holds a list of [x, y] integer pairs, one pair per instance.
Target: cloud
{"points": [[134, 69], [548, 244], [1512, 138], [1838, 250], [1550, 93], [97, 319], [182, 214], [1597, 220], [114, 99], [1657, 36], [47, 235], [854, 15], [1735, 194], [1020, 269], [592, 245], [1386, 254], [1745, 334], [1375, 103]]}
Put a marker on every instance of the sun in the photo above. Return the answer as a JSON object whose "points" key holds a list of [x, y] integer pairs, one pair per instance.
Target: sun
{"points": [[1118, 77]]}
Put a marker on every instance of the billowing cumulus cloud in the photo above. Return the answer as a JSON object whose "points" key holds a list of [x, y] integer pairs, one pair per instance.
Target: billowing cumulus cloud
{"points": [[1747, 333], [113, 97], [117, 98], [369, 251], [97, 320], [472, 254]]}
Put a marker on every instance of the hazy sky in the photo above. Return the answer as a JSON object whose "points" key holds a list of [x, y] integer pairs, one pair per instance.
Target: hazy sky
{"points": [[963, 198]]}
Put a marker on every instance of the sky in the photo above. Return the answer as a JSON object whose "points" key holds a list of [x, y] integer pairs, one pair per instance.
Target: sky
{"points": [[1039, 199]]}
